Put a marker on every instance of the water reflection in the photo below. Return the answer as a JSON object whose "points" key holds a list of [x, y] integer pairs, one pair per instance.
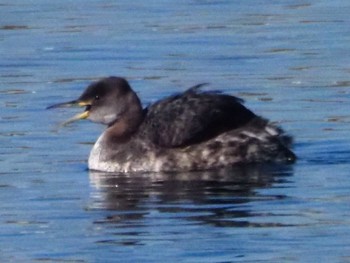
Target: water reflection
{"points": [[220, 198]]}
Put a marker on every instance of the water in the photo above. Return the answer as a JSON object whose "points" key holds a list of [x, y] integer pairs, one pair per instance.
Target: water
{"points": [[287, 59]]}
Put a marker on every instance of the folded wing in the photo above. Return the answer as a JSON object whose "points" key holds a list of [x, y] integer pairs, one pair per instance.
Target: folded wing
{"points": [[192, 117]]}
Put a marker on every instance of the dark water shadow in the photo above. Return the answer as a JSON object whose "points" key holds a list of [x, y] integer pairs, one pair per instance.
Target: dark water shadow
{"points": [[220, 198]]}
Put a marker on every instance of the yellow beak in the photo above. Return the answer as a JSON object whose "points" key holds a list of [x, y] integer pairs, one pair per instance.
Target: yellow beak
{"points": [[79, 116]]}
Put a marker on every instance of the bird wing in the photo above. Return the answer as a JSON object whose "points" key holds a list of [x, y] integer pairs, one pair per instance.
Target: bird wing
{"points": [[192, 117]]}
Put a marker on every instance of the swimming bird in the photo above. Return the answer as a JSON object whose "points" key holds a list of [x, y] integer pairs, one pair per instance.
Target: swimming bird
{"points": [[192, 130]]}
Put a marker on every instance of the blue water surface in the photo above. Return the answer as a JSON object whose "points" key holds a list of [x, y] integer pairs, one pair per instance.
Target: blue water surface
{"points": [[289, 60]]}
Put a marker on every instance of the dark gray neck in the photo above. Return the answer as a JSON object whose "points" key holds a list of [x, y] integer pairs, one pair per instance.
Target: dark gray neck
{"points": [[129, 119]]}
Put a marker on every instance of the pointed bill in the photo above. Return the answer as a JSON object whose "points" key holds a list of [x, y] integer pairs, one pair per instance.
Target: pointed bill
{"points": [[73, 103], [69, 104], [77, 117]]}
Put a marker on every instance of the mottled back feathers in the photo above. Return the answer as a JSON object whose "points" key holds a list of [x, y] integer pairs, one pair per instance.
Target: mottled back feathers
{"points": [[193, 117]]}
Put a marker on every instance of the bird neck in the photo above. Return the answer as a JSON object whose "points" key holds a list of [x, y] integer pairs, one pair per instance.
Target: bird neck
{"points": [[128, 123]]}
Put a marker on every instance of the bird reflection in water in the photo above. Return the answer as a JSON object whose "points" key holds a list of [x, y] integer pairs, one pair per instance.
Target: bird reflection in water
{"points": [[221, 198]]}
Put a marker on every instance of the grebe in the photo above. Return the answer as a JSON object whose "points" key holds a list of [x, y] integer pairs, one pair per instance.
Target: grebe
{"points": [[193, 130]]}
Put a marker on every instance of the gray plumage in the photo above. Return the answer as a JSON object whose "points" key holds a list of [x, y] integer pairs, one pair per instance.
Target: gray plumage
{"points": [[193, 130]]}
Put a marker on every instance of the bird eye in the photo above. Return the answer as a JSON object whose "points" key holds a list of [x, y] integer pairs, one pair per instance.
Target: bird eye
{"points": [[97, 97]]}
